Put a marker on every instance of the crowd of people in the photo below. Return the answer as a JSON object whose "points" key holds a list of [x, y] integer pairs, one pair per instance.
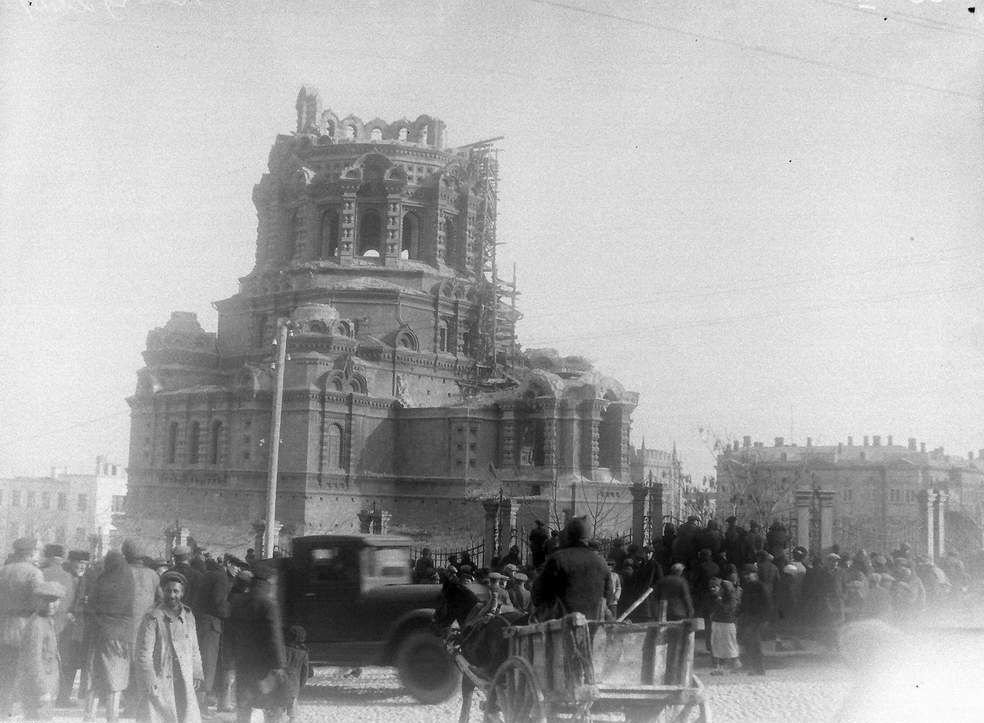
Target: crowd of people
{"points": [[156, 640], [740, 584]]}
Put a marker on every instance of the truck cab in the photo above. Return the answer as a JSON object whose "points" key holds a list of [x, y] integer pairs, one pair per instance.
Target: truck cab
{"points": [[353, 596]]}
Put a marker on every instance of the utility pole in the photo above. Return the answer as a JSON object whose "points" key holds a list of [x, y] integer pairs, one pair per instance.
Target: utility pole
{"points": [[269, 532]]}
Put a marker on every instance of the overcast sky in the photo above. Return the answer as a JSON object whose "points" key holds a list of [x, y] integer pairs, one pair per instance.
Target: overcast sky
{"points": [[764, 217]]}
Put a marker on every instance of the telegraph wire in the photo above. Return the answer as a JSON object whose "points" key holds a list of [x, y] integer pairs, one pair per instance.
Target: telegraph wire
{"points": [[905, 18], [772, 281], [758, 49], [609, 334]]}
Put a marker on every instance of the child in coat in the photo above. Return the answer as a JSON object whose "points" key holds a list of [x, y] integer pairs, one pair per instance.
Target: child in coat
{"points": [[298, 667], [39, 661]]}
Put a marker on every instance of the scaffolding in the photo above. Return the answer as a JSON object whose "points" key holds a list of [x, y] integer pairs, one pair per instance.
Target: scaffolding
{"points": [[495, 347]]}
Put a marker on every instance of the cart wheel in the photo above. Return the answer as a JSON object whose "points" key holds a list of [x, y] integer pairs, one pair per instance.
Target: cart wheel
{"points": [[514, 695], [696, 712]]}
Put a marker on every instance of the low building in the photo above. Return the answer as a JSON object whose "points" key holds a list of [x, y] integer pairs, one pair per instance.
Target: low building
{"points": [[75, 510], [874, 496]]}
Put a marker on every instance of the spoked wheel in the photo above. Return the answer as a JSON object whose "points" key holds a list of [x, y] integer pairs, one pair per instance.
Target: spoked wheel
{"points": [[514, 695], [694, 711]]}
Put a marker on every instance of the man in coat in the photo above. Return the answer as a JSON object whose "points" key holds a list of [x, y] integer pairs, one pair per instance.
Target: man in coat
{"points": [[213, 609], [182, 564], [574, 576], [257, 640], [39, 664], [146, 594], [538, 538], [71, 646], [19, 579], [674, 590], [168, 662]]}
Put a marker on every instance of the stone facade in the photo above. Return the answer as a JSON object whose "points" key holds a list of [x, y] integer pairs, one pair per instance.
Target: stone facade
{"points": [[75, 510], [874, 496], [372, 241]]}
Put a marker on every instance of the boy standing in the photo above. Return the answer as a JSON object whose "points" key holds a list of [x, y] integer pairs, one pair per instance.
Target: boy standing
{"points": [[39, 660]]}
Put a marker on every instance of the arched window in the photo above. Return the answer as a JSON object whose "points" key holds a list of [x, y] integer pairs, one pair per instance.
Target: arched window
{"points": [[370, 233], [172, 443], [403, 133], [349, 131], [376, 134], [216, 442], [194, 435], [411, 235], [329, 234], [295, 233], [333, 444], [442, 336], [449, 234]]}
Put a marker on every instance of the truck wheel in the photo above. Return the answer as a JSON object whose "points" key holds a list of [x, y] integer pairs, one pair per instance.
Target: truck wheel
{"points": [[425, 668]]}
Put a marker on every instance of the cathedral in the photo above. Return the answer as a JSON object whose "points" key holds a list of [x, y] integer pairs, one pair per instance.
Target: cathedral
{"points": [[407, 399]]}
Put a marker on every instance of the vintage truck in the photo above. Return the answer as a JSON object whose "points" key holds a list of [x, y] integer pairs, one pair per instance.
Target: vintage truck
{"points": [[352, 594]]}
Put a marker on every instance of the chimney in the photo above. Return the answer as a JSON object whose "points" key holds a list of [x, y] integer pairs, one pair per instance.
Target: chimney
{"points": [[850, 441], [746, 441], [890, 440], [809, 441], [866, 440], [876, 441], [922, 447], [912, 444], [779, 441]]}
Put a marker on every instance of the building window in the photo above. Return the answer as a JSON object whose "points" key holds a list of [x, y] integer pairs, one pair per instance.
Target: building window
{"points": [[402, 134], [449, 233], [45, 500], [349, 132], [62, 501], [194, 437], [334, 443], [83, 503], [894, 496], [329, 234], [370, 233], [31, 499], [411, 236], [213, 457], [376, 134], [442, 336], [295, 235], [847, 495], [119, 503], [172, 442]]}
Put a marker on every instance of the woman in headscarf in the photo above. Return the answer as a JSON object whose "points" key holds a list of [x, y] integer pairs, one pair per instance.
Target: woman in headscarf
{"points": [[111, 610]]}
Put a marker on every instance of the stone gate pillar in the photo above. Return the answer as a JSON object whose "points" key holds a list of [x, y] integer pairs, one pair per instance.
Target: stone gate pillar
{"points": [[656, 510], [826, 519], [500, 522], [804, 498], [939, 527], [639, 493]]}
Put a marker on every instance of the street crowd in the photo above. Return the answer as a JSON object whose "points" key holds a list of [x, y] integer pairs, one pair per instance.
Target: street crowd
{"points": [[741, 585], [160, 641]]}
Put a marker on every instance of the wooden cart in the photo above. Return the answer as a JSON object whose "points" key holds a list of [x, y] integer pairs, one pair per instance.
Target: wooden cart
{"points": [[577, 669]]}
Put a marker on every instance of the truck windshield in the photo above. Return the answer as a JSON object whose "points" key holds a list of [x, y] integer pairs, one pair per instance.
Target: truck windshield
{"points": [[390, 562]]}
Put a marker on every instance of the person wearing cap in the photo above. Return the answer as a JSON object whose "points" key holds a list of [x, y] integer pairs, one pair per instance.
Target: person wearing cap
{"points": [[71, 647], [574, 579], [182, 564], [39, 661], [213, 609], [754, 614], [111, 641], [167, 659], [146, 594], [19, 578], [256, 637], [519, 594]]}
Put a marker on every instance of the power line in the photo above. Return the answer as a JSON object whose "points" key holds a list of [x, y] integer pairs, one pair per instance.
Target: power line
{"points": [[767, 315], [768, 282], [77, 425], [758, 49], [905, 18]]}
